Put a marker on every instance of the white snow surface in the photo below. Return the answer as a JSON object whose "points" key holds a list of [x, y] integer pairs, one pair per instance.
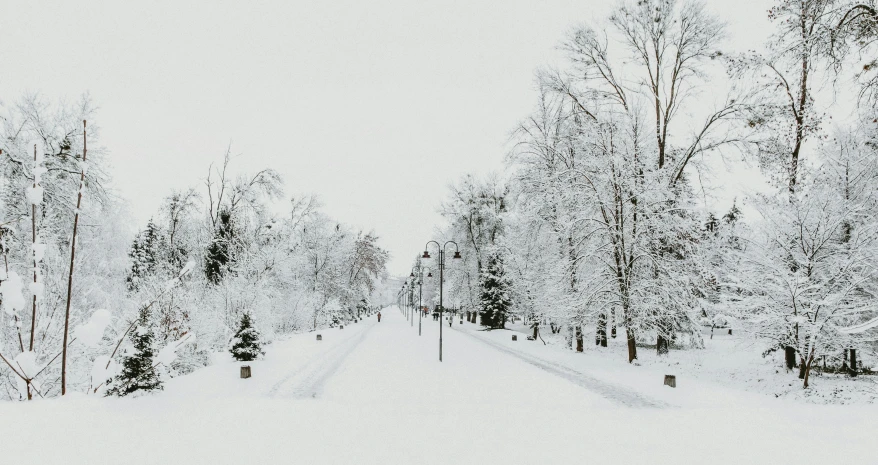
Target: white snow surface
{"points": [[375, 393], [39, 251], [34, 194], [10, 288], [167, 355], [91, 333]]}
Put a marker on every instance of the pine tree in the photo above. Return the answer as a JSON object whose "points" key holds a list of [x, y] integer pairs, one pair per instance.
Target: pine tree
{"points": [[219, 252], [246, 346], [138, 369], [495, 298], [712, 224], [147, 255]]}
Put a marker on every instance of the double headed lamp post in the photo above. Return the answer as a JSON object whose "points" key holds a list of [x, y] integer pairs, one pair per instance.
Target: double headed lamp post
{"points": [[441, 278], [421, 292]]}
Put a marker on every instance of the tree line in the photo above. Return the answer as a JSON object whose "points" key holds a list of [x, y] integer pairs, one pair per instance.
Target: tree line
{"points": [[603, 216], [124, 314]]}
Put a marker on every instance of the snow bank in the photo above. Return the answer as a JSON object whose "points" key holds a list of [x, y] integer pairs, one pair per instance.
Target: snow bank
{"points": [[92, 332], [13, 299], [167, 355]]}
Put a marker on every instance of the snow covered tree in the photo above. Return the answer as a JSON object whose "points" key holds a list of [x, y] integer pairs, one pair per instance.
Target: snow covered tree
{"points": [[219, 256], [138, 368], [147, 255], [246, 345], [495, 300]]}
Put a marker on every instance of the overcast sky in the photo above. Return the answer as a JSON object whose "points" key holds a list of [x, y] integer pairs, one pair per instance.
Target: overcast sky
{"points": [[375, 106]]}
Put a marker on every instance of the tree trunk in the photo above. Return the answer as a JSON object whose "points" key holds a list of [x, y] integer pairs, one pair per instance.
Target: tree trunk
{"points": [[613, 328], [601, 337], [661, 345], [808, 367], [72, 259], [853, 370], [579, 342], [790, 357], [802, 368], [632, 345], [536, 327]]}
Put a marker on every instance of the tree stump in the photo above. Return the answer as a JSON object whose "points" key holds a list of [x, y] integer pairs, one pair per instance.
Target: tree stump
{"points": [[514, 337], [671, 380], [245, 371], [341, 327], [319, 337], [730, 331]]}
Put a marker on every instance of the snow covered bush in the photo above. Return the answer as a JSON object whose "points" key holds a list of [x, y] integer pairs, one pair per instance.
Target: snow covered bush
{"points": [[138, 366], [246, 344]]}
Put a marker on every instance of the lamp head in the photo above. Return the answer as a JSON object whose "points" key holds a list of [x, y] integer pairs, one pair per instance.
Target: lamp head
{"points": [[426, 254], [456, 254]]}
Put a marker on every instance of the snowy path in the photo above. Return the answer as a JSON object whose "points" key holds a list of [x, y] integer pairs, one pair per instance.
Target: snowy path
{"points": [[308, 380], [613, 392], [375, 393]]}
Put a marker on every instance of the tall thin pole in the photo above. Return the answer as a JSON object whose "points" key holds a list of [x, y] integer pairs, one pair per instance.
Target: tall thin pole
{"points": [[441, 307], [420, 300], [33, 227], [72, 258]]}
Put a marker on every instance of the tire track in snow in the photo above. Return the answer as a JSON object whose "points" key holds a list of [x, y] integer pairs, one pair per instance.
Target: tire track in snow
{"points": [[309, 379], [612, 392]]}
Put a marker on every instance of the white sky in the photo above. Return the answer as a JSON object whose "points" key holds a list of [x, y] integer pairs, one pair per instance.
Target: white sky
{"points": [[375, 106]]}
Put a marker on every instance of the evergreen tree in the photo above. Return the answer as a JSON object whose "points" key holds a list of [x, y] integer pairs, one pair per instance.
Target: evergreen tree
{"points": [[147, 255], [734, 214], [246, 346], [138, 369], [495, 297], [711, 224], [219, 252]]}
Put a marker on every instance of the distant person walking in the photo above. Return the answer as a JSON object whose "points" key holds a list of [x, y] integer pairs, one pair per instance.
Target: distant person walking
{"points": [[379, 317]]}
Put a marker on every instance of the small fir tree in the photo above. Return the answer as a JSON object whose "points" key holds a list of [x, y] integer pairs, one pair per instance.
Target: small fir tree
{"points": [[138, 368], [246, 345], [495, 299]]}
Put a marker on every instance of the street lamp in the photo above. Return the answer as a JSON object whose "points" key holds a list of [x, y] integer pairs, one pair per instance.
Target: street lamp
{"points": [[411, 297], [421, 291], [441, 279]]}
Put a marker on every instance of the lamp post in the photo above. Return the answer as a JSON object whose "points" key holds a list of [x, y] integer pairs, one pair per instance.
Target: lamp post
{"points": [[411, 296], [405, 299], [441, 279], [421, 291], [402, 290]]}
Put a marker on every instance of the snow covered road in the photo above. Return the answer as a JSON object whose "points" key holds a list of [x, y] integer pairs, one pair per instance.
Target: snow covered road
{"points": [[375, 393]]}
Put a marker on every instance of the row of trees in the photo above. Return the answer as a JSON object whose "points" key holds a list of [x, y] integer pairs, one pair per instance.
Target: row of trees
{"points": [[603, 218], [210, 256]]}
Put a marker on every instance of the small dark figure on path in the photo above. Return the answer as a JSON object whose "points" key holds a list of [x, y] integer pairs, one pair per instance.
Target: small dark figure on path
{"points": [[379, 317]]}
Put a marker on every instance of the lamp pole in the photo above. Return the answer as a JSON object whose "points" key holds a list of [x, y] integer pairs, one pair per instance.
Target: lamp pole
{"points": [[421, 290], [441, 257], [412, 304]]}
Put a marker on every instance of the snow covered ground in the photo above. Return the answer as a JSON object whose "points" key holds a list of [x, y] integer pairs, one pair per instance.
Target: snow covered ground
{"points": [[376, 393], [727, 362]]}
